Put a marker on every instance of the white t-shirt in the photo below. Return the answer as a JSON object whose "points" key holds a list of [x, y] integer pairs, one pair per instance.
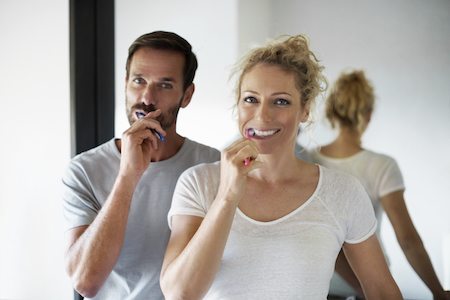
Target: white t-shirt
{"points": [[292, 257], [380, 176], [87, 185], [378, 173]]}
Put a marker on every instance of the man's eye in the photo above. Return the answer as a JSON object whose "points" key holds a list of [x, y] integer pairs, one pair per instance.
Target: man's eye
{"points": [[281, 102], [250, 99], [138, 80], [165, 85]]}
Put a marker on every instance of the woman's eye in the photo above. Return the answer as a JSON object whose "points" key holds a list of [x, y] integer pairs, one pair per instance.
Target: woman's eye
{"points": [[281, 102], [250, 99]]}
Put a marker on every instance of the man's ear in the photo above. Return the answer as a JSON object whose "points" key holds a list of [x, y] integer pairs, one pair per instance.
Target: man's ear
{"points": [[187, 95], [126, 84]]}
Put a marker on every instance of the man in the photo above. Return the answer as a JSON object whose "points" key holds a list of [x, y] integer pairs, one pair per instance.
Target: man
{"points": [[117, 195]]}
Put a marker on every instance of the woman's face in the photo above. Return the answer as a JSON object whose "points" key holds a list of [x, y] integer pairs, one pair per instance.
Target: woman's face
{"points": [[270, 108]]}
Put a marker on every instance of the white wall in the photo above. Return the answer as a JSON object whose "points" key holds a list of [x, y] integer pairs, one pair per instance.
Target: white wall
{"points": [[35, 147]]}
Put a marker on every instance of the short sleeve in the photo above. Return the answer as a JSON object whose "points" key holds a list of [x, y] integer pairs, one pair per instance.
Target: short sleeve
{"points": [[79, 204], [194, 191], [392, 179], [361, 221]]}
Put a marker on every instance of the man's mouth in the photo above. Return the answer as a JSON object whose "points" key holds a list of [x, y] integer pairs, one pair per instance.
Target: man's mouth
{"points": [[140, 114]]}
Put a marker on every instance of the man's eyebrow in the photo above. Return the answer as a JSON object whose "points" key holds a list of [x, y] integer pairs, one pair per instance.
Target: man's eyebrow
{"points": [[171, 79], [162, 79]]}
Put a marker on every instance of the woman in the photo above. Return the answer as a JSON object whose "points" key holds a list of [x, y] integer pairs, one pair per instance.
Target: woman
{"points": [[262, 224], [349, 107]]}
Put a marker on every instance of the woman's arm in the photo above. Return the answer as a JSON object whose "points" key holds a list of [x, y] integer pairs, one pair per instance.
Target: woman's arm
{"points": [[345, 271], [195, 251], [367, 260], [411, 243], [196, 245]]}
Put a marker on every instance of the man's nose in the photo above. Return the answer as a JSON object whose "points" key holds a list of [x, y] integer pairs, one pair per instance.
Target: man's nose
{"points": [[149, 95]]}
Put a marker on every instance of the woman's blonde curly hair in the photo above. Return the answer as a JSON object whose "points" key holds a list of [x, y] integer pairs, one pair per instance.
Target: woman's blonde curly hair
{"points": [[292, 54], [351, 101]]}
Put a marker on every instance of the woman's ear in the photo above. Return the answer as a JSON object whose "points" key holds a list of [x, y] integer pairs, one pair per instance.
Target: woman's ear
{"points": [[306, 117], [305, 113]]}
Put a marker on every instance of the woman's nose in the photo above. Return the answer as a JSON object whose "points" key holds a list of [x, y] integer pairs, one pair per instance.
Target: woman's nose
{"points": [[264, 112]]}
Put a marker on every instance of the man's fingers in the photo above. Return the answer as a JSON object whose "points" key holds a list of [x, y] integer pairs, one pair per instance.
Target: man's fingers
{"points": [[149, 123]]}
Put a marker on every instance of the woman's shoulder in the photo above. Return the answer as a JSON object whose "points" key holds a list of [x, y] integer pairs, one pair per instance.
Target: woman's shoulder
{"points": [[202, 171], [332, 174], [377, 155], [378, 161], [341, 192], [339, 182]]}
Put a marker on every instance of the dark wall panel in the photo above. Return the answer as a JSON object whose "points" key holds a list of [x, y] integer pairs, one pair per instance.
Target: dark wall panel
{"points": [[92, 72]]}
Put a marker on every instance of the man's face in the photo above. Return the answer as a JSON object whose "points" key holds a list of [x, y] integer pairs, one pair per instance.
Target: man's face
{"points": [[155, 81]]}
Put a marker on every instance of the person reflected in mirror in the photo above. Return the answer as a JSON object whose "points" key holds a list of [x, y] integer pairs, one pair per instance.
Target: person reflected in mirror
{"points": [[349, 107], [261, 223]]}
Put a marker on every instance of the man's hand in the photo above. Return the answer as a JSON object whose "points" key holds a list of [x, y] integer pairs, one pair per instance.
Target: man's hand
{"points": [[138, 143]]}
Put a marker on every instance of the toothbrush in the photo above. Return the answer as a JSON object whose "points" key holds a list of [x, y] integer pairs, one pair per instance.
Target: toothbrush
{"points": [[140, 115], [248, 133]]}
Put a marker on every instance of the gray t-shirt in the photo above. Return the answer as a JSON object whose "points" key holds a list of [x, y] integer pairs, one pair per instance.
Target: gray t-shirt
{"points": [[87, 184]]}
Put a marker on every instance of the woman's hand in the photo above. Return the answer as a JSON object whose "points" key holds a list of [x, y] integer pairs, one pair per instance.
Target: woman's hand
{"points": [[236, 162]]}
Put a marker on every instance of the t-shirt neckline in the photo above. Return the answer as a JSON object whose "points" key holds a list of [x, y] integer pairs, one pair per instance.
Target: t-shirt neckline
{"points": [[292, 213]]}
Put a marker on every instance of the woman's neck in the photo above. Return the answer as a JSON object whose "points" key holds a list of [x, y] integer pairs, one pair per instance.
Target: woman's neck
{"points": [[276, 168], [346, 144]]}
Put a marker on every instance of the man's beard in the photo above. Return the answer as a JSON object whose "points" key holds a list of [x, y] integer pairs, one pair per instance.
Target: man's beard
{"points": [[165, 119]]}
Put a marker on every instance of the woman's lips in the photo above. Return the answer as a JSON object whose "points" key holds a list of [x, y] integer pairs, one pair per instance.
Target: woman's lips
{"points": [[253, 132]]}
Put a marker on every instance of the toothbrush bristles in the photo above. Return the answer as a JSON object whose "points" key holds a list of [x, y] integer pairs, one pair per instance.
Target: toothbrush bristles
{"points": [[251, 132], [160, 137], [247, 161]]}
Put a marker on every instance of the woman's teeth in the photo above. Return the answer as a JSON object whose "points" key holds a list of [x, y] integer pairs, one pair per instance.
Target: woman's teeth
{"points": [[261, 133]]}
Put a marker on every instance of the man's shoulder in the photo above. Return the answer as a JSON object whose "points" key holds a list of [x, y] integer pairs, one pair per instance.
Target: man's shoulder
{"points": [[105, 151], [204, 152]]}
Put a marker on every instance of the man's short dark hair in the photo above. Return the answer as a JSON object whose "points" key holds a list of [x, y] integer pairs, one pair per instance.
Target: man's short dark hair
{"points": [[163, 40]]}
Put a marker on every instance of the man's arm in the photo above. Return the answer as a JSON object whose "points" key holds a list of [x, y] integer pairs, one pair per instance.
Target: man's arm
{"points": [[93, 250]]}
